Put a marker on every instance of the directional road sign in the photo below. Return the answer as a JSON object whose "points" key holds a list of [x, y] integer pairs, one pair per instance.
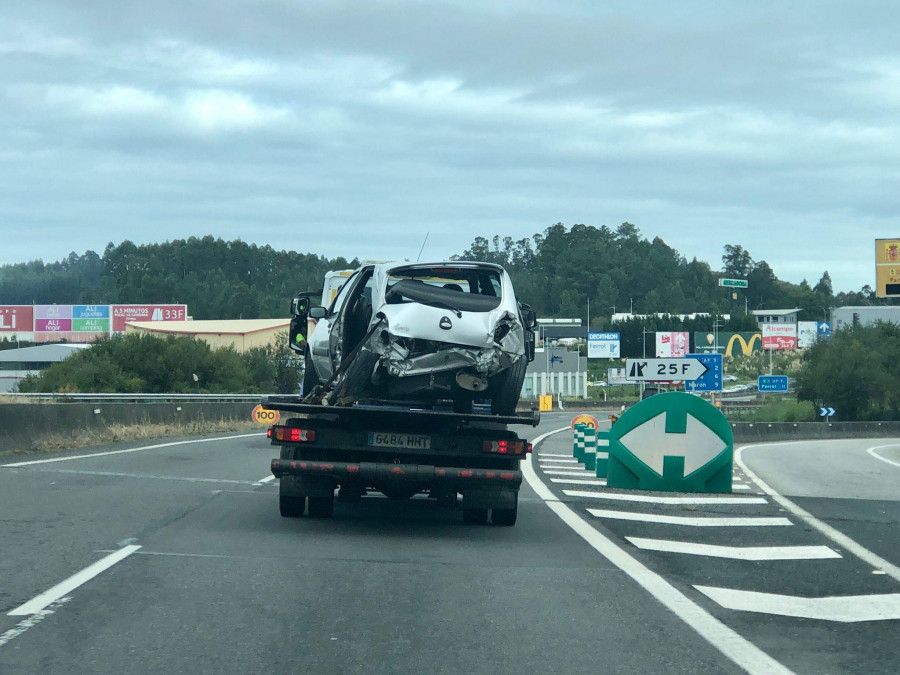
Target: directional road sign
{"points": [[603, 345], [650, 370], [673, 442], [768, 383], [824, 329], [712, 379], [733, 283], [827, 412]]}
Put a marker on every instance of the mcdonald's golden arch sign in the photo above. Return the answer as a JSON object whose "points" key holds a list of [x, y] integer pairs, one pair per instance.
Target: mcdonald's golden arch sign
{"points": [[729, 344]]}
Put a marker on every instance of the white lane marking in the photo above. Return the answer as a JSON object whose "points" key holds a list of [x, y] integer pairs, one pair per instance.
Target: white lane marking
{"points": [[265, 481], [874, 454], [122, 452], [736, 552], [844, 609], [740, 487], [120, 474], [836, 536], [652, 499], [575, 481], [30, 622], [693, 521], [742, 652], [558, 461], [553, 454], [40, 602], [569, 473]]}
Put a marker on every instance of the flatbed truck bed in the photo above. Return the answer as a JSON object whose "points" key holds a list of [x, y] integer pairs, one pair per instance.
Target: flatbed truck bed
{"points": [[399, 449]]}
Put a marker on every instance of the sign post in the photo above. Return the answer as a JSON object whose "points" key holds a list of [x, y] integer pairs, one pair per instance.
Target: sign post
{"points": [[673, 442]]}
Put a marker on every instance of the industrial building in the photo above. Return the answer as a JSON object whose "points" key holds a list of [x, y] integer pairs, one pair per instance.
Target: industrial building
{"points": [[864, 315], [556, 370], [17, 364], [769, 316], [241, 334]]}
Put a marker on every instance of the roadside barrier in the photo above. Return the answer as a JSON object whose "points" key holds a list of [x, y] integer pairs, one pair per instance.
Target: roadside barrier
{"points": [[590, 448], [760, 432], [578, 445]]}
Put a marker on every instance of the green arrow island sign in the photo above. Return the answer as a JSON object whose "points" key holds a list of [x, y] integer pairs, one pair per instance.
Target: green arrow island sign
{"points": [[673, 442], [734, 283]]}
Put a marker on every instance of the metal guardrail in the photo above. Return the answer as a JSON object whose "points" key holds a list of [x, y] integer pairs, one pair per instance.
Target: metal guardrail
{"points": [[135, 398]]}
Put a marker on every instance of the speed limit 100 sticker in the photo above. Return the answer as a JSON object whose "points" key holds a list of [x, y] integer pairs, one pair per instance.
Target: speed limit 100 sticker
{"points": [[262, 416], [590, 420]]}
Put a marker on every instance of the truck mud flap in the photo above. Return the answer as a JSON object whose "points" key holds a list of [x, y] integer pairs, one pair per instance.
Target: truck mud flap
{"points": [[371, 472]]}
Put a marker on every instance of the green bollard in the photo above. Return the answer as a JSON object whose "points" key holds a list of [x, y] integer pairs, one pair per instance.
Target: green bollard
{"points": [[578, 447], [601, 461], [590, 448]]}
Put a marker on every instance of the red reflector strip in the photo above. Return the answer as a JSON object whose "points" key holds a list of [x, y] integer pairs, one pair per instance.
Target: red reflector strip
{"points": [[268, 433]]}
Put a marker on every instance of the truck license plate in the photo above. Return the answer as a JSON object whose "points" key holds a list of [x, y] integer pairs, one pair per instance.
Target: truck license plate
{"points": [[385, 439]]}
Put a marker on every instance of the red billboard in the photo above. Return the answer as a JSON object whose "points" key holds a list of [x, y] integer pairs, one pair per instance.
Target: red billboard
{"points": [[121, 314], [779, 336], [16, 318]]}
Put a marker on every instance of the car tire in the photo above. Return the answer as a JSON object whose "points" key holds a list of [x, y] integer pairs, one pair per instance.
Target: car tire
{"points": [[310, 379], [291, 507], [475, 516], [321, 507], [507, 388]]}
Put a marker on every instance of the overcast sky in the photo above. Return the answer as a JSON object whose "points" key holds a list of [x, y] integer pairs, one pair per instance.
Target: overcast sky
{"points": [[353, 128]]}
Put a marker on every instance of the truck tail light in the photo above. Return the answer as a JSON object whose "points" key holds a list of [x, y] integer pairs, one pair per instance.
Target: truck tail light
{"points": [[294, 435], [268, 433], [504, 447]]}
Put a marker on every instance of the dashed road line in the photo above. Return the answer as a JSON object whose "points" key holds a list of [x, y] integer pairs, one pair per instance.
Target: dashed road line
{"points": [[32, 621], [121, 474], [736, 552], [653, 499], [694, 521], [568, 473]]}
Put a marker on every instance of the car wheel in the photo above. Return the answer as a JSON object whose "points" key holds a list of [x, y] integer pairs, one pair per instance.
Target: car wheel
{"points": [[507, 388], [310, 379]]}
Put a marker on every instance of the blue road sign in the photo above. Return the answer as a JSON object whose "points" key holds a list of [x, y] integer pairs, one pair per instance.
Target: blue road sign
{"points": [[711, 380], [773, 383], [603, 345], [823, 329], [827, 412]]}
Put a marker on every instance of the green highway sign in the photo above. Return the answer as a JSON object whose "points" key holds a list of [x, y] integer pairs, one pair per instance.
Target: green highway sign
{"points": [[672, 442], [733, 283]]}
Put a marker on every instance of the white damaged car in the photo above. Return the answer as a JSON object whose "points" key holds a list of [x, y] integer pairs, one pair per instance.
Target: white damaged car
{"points": [[422, 332]]}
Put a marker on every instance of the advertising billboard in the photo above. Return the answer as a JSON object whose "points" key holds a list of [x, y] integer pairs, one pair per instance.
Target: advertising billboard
{"points": [[16, 318], [672, 344], [603, 345], [887, 268], [728, 344], [807, 333], [779, 336], [121, 314]]}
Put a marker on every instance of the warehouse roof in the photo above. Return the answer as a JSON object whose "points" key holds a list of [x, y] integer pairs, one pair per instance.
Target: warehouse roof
{"points": [[225, 327], [41, 353]]}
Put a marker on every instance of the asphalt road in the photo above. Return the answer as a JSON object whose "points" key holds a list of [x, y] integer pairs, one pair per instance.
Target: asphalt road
{"points": [[221, 583]]}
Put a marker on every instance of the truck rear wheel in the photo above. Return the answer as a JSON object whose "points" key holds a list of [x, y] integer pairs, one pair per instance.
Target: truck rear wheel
{"points": [[291, 507], [321, 507], [475, 516]]}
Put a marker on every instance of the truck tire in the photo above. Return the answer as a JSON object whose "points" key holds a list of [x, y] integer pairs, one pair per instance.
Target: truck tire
{"points": [[475, 516], [507, 387], [291, 507], [505, 517], [321, 507]]}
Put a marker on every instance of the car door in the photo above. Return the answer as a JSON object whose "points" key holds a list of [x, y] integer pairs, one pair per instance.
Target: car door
{"points": [[322, 337]]}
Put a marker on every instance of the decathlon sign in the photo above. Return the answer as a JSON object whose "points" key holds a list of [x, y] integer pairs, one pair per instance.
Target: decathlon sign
{"points": [[603, 345]]}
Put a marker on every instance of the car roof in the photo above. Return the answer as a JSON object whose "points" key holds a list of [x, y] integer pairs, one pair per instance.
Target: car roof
{"points": [[461, 264]]}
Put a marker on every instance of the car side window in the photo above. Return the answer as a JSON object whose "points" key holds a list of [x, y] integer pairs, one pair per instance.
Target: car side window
{"points": [[342, 294]]}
